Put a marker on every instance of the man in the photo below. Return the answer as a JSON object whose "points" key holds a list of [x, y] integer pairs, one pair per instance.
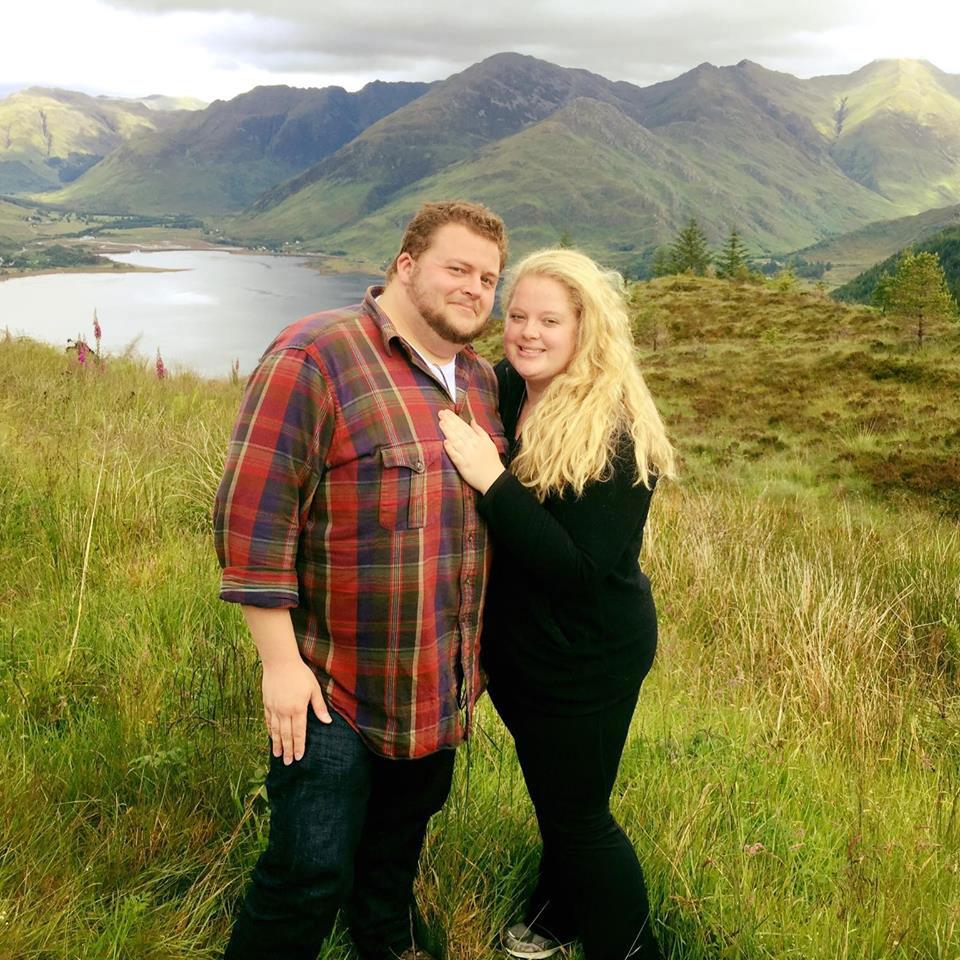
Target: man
{"points": [[359, 559]]}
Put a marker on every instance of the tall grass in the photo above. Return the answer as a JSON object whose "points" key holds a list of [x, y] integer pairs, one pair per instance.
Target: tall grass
{"points": [[791, 781]]}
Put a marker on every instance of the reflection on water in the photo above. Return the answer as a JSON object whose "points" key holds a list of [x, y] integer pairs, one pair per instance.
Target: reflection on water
{"points": [[211, 308], [191, 297]]}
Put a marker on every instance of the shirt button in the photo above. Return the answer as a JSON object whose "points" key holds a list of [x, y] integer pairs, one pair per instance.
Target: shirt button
{"points": [[469, 538], [418, 466]]}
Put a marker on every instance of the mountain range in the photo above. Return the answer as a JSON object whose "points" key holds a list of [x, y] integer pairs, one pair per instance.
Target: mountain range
{"points": [[50, 137], [220, 159], [617, 167]]}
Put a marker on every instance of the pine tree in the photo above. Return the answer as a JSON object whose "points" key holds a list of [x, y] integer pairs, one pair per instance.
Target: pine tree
{"points": [[917, 292], [732, 261], [662, 262], [689, 251]]}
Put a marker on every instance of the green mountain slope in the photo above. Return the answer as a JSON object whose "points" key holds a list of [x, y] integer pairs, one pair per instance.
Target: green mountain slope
{"points": [[159, 102], [50, 137], [946, 244], [852, 253], [765, 168], [491, 100], [220, 159], [509, 175], [896, 126]]}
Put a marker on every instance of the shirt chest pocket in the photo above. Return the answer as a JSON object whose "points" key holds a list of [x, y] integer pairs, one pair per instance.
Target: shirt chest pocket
{"points": [[406, 469]]}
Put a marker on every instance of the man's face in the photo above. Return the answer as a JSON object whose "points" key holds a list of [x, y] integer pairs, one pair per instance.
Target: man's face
{"points": [[453, 282]]}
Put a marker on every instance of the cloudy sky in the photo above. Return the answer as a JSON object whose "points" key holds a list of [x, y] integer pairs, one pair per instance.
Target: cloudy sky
{"points": [[219, 48]]}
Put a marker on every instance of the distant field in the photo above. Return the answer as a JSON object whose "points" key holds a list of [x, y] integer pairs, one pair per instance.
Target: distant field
{"points": [[22, 224], [852, 253], [793, 774], [41, 239]]}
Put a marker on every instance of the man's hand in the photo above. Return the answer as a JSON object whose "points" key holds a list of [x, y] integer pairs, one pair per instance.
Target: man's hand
{"points": [[472, 451], [290, 687]]}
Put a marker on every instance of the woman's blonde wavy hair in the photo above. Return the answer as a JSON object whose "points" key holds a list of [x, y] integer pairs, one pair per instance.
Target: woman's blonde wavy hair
{"points": [[571, 436]]}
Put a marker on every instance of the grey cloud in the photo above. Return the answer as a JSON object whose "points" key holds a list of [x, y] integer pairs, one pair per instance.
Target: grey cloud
{"points": [[429, 39]]}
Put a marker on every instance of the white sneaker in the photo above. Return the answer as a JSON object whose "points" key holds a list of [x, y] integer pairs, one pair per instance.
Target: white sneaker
{"points": [[520, 941]]}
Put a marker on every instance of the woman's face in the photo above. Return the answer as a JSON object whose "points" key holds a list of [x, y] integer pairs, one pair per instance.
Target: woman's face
{"points": [[540, 330]]}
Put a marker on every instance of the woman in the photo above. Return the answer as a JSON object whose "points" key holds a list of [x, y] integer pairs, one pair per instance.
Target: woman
{"points": [[570, 628]]}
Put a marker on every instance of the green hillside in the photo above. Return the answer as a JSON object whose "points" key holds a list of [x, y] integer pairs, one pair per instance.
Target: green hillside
{"points": [[852, 253], [484, 104], [836, 391], [790, 780], [638, 186], [165, 104], [51, 137], [126, 182], [899, 131], [946, 244], [222, 158], [762, 166], [509, 176]]}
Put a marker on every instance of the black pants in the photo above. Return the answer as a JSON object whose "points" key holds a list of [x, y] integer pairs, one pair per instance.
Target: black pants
{"points": [[346, 829], [590, 885]]}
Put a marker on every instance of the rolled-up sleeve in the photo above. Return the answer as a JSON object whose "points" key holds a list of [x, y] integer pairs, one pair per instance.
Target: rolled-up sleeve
{"points": [[274, 462]]}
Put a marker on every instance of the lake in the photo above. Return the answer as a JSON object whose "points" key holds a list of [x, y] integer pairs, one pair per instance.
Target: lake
{"points": [[216, 307]]}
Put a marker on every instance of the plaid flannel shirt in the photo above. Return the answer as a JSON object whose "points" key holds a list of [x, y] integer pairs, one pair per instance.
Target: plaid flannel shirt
{"points": [[339, 503]]}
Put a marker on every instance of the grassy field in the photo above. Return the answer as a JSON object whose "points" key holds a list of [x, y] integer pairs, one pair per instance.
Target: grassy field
{"points": [[793, 775], [22, 224]]}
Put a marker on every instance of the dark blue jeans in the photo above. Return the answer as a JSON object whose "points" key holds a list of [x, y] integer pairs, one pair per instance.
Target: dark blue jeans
{"points": [[590, 885], [346, 829]]}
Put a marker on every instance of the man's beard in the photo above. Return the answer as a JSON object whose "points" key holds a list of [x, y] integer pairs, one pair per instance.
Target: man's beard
{"points": [[437, 322]]}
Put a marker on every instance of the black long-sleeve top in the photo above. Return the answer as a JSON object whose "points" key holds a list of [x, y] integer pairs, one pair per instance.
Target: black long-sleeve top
{"points": [[569, 623]]}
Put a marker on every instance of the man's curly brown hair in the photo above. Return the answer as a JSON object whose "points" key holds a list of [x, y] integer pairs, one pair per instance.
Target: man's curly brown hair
{"points": [[431, 216]]}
